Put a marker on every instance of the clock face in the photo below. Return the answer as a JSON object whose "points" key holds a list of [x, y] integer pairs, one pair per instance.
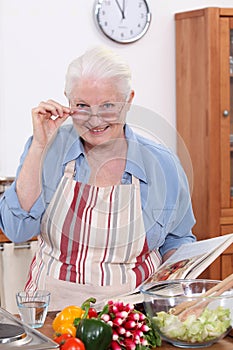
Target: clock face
{"points": [[123, 21]]}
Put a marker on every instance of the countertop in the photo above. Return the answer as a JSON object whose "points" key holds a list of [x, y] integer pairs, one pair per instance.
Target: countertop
{"points": [[225, 344]]}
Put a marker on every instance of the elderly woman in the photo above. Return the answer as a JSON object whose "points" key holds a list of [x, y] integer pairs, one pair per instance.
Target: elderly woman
{"points": [[105, 203]]}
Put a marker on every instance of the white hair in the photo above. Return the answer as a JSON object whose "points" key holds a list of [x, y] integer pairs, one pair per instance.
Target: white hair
{"points": [[99, 63]]}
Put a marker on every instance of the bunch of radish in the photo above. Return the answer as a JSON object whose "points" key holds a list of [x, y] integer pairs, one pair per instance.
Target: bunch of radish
{"points": [[131, 328]]}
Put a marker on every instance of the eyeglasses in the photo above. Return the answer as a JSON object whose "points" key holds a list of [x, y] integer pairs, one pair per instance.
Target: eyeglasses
{"points": [[109, 112]]}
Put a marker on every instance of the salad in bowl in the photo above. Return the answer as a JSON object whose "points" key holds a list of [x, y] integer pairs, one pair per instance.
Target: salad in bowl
{"points": [[189, 313]]}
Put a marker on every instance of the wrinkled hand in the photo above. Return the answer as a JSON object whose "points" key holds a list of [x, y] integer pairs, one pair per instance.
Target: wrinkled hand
{"points": [[46, 119]]}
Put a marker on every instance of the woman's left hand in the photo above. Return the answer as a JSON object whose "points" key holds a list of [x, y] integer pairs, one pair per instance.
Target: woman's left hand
{"points": [[168, 254]]}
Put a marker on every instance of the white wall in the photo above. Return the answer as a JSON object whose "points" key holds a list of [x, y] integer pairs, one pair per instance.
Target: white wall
{"points": [[38, 39]]}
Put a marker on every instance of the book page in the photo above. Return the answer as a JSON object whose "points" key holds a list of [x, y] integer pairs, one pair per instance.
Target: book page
{"points": [[176, 269], [198, 268], [191, 259], [205, 246]]}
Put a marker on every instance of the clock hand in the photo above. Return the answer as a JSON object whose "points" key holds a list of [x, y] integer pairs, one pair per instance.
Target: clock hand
{"points": [[122, 11]]}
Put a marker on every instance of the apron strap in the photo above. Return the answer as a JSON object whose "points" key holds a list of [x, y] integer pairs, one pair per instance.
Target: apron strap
{"points": [[70, 170], [135, 181]]}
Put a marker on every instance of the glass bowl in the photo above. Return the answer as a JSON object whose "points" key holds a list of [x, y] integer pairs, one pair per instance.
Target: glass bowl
{"points": [[183, 316]]}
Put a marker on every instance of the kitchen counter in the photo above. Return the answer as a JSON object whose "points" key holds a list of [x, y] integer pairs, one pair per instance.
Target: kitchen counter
{"points": [[225, 344]]}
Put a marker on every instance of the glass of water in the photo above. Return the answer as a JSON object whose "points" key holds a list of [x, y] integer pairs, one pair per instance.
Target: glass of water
{"points": [[33, 307]]}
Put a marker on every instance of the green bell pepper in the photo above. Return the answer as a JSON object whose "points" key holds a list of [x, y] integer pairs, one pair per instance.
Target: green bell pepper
{"points": [[94, 333]]}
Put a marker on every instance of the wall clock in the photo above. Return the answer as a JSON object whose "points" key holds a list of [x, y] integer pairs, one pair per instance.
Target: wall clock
{"points": [[123, 21]]}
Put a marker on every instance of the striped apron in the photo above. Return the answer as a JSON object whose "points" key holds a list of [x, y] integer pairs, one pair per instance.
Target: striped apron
{"points": [[92, 243]]}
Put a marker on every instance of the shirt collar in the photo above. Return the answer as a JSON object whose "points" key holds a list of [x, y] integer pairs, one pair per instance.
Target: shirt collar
{"points": [[134, 163], [75, 150]]}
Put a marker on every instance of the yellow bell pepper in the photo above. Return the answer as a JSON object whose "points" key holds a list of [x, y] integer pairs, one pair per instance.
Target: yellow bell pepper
{"points": [[63, 322], [66, 328]]}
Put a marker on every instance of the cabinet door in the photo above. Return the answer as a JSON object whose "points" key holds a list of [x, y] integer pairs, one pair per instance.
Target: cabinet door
{"points": [[226, 259], [226, 110], [227, 265]]}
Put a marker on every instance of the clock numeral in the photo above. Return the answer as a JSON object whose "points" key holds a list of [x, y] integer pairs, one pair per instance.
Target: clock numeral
{"points": [[131, 31], [107, 2], [105, 23], [122, 35], [142, 15], [139, 25]]}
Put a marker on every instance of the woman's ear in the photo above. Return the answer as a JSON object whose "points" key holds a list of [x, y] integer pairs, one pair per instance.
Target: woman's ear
{"points": [[67, 97], [129, 100], [131, 96]]}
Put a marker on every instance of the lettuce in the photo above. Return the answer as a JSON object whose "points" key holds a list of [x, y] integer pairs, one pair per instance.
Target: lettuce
{"points": [[209, 325]]}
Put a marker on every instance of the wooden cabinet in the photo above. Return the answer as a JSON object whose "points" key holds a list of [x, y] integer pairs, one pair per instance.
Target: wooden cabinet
{"points": [[3, 238], [204, 90]]}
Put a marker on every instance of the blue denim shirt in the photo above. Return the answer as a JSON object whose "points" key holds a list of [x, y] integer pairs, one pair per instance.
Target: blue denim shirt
{"points": [[165, 197]]}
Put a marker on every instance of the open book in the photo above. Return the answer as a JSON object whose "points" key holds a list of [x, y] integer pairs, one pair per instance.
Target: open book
{"points": [[188, 262], [191, 259]]}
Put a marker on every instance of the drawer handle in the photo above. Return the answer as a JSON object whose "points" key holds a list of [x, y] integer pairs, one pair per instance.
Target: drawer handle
{"points": [[26, 245]]}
